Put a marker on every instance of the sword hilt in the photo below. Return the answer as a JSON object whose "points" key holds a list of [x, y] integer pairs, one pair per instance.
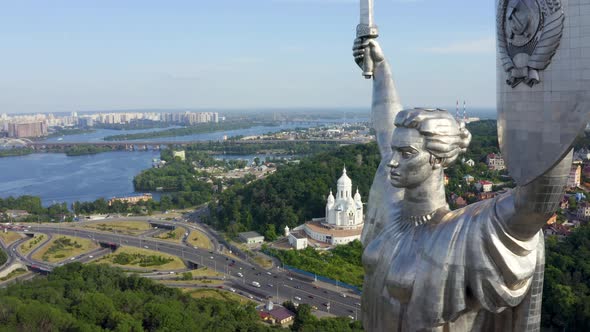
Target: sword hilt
{"points": [[367, 31]]}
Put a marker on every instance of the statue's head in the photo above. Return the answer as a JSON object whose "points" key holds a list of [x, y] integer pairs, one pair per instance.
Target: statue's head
{"points": [[424, 140]]}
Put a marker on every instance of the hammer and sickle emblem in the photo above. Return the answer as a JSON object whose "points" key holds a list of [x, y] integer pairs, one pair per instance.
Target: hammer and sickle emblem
{"points": [[519, 17]]}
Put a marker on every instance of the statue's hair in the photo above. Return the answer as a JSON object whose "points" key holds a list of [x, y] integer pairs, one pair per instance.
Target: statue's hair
{"points": [[445, 137]]}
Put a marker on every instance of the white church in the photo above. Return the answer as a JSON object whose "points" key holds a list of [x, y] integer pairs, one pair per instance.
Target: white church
{"points": [[343, 222]]}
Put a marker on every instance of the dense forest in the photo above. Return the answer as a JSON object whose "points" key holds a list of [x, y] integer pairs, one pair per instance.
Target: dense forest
{"points": [[294, 193], [566, 291], [32, 204], [343, 263], [78, 297], [97, 297]]}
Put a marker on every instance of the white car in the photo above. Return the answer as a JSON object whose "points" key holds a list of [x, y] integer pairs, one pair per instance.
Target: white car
{"points": [[343, 295], [146, 247], [349, 316], [232, 290], [90, 256], [269, 273], [297, 298], [240, 275]]}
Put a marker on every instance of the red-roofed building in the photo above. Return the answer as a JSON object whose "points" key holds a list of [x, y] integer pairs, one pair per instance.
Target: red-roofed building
{"points": [[484, 186], [282, 315]]}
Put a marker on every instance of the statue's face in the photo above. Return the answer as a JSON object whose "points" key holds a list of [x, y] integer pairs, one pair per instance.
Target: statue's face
{"points": [[410, 164]]}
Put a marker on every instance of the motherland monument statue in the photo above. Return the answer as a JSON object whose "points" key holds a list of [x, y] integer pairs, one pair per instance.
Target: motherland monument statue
{"points": [[478, 268]]}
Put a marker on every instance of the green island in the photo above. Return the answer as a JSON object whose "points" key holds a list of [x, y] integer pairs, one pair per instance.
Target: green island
{"points": [[16, 152], [78, 297], [197, 129], [69, 131], [85, 149], [132, 257]]}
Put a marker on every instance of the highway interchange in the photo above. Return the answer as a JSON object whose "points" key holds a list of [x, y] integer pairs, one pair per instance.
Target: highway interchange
{"points": [[276, 283]]}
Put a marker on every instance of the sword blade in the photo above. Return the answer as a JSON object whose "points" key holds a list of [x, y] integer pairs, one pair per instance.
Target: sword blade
{"points": [[366, 12]]}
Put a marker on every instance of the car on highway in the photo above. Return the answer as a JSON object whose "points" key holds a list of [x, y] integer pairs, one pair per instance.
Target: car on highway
{"points": [[146, 247], [269, 285], [290, 278], [310, 296], [349, 316], [297, 298], [250, 296], [358, 304], [232, 290], [240, 275], [90, 256], [211, 257], [268, 273], [313, 307]]}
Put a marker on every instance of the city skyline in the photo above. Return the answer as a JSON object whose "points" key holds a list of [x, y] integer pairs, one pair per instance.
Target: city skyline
{"points": [[68, 56]]}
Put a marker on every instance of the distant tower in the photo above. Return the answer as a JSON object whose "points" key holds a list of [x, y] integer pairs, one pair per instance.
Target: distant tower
{"points": [[464, 112], [287, 231], [269, 305]]}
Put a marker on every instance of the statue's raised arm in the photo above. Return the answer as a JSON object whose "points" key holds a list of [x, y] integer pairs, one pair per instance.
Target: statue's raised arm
{"points": [[385, 106]]}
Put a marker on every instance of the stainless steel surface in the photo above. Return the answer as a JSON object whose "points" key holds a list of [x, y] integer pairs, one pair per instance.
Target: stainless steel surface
{"points": [[479, 268], [367, 29], [529, 33], [538, 121]]}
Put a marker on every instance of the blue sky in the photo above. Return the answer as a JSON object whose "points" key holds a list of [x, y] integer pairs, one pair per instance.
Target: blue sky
{"points": [[125, 54]]}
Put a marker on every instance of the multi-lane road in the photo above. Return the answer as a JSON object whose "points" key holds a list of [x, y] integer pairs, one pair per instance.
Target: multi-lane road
{"points": [[275, 283]]}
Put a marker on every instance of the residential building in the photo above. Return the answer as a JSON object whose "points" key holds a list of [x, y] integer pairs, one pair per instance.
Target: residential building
{"points": [[470, 163], [583, 211], [564, 204], [485, 195], [484, 186], [30, 129], [179, 154], [468, 179], [133, 199], [575, 176], [495, 162]]}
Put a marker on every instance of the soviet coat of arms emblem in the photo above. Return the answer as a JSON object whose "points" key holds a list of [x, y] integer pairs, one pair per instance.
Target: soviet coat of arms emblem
{"points": [[529, 33]]}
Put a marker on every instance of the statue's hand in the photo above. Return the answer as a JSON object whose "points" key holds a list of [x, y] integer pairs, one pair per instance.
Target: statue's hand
{"points": [[360, 47]]}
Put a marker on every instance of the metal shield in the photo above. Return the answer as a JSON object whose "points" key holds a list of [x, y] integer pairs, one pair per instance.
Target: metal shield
{"points": [[543, 82]]}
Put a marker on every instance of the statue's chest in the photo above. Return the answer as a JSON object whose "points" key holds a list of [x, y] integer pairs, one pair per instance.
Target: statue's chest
{"points": [[403, 267], [394, 259]]}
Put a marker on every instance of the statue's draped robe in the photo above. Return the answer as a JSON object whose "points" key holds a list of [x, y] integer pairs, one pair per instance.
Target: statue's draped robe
{"points": [[462, 273]]}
